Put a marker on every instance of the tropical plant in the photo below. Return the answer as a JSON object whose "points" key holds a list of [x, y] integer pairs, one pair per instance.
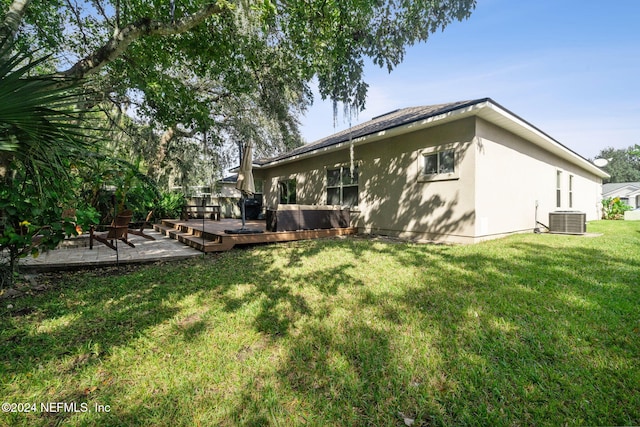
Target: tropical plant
{"points": [[614, 208], [116, 183], [41, 138], [170, 205]]}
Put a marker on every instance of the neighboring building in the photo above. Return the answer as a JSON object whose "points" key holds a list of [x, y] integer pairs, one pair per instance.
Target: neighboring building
{"points": [[459, 172], [227, 187], [628, 192], [228, 196]]}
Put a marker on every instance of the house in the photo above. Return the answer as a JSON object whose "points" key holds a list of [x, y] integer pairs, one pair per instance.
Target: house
{"points": [[458, 172], [628, 192]]}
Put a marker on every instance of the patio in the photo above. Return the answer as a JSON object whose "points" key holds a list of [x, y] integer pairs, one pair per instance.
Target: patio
{"points": [[76, 253], [175, 239]]}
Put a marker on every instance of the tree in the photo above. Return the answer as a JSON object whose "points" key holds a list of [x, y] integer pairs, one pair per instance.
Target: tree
{"points": [[624, 164], [151, 53], [219, 71], [41, 137]]}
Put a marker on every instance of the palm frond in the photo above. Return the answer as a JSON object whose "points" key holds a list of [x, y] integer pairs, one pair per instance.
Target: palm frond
{"points": [[42, 127]]}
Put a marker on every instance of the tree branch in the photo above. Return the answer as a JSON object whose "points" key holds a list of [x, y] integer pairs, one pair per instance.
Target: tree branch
{"points": [[103, 13], [122, 38], [76, 13]]}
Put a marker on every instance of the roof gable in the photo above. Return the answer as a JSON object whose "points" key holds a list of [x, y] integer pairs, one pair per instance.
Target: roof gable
{"points": [[621, 188]]}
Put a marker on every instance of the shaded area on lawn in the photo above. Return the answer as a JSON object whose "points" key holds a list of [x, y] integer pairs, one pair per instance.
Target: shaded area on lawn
{"points": [[518, 330], [530, 329]]}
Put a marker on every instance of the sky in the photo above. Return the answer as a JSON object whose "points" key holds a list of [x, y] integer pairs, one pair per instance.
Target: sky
{"points": [[569, 67]]}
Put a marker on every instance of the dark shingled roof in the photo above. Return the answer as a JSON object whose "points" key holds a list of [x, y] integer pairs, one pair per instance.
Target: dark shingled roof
{"points": [[230, 178], [380, 123]]}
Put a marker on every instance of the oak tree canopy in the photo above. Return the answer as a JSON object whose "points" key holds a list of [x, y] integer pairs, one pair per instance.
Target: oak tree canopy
{"points": [[205, 64]]}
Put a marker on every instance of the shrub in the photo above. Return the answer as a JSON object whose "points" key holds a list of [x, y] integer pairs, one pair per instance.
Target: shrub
{"points": [[170, 205], [614, 208]]}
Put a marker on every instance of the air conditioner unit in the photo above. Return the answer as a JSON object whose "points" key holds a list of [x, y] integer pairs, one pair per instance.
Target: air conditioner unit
{"points": [[568, 222]]}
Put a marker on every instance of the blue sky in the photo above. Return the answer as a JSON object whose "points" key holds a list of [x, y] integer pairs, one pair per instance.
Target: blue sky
{"points": [[569, 67]]}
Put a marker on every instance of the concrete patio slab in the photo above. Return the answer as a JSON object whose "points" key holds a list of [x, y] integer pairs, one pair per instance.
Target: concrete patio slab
{"points": [[146, 251]]}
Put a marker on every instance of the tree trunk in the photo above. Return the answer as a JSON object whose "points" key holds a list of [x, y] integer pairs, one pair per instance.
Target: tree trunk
{"points": [[13, 18], [154, 168]]}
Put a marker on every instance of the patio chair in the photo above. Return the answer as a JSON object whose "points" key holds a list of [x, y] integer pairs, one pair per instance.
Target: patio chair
{"points": [[140, 231], [116, 231]]}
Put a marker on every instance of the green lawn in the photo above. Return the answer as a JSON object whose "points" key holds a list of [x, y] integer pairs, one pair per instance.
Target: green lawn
{"points": [[527, 330]]}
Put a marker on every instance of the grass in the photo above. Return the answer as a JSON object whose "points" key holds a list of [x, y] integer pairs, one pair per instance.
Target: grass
{"points": [[527, 330]]}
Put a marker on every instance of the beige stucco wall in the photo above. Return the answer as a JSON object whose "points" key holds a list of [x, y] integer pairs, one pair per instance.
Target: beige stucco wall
{"points": [[499, 179], [512, 175], [393, 199], [310, 175], [396, 201]]}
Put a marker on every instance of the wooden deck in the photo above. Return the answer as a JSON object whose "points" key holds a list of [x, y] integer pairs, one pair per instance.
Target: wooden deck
{"points": [[210, 236]]}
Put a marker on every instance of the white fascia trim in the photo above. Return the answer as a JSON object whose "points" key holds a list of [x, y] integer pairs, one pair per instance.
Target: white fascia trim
{"points": [[485, 110], [383, 134], [627, 189]]}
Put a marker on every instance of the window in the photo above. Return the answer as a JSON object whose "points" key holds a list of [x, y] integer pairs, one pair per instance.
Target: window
{"points": [[438, 164], [570, 191], [558, 189], [342, 186], [287, 189], [259, 184]]}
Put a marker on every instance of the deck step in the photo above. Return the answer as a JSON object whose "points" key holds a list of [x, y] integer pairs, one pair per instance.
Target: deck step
{"points": [[203, 245], [217, 240], [189, 229], [194, 238], [163, 229]]}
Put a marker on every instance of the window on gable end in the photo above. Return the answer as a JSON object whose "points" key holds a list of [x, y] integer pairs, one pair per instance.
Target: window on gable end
{"points": [[558, 189]]}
